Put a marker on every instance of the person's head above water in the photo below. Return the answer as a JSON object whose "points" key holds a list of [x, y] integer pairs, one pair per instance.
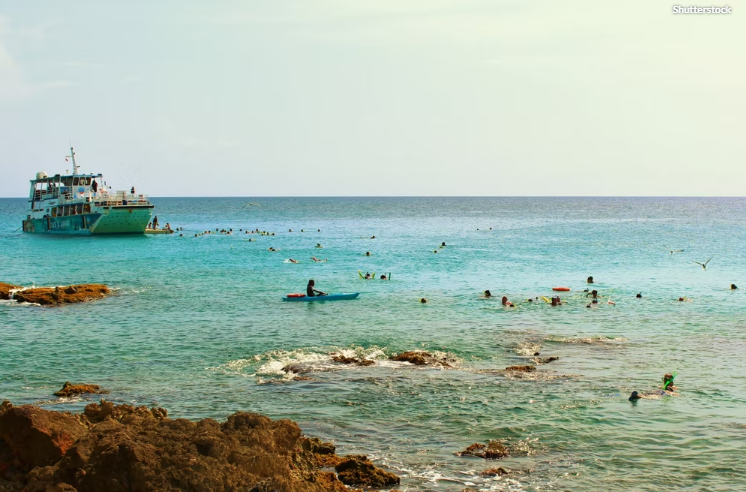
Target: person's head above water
{"points": [[487, 293], [668, 382], [367, 253], [423, 301], [733, 287], [639, 295], [634, 396], [443, 243], [594, 293], [589, 280]]}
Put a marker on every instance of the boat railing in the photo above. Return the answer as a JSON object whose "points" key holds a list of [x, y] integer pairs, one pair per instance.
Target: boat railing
{"points": [[105, 198]]}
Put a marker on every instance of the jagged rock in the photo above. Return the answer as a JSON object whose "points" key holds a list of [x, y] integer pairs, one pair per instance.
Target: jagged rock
{"points": [[5, 290], [352, 360], [69, 389], [96, 413], [358, 470], [493, 450], [521, 368], [52, 296], [422, 359], [38, 437]]}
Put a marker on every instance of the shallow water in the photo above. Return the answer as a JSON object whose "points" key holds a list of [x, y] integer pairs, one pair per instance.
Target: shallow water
{"points": [[197, 326]]}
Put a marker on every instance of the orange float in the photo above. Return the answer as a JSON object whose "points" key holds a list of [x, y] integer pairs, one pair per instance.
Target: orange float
{"points": [[296, 295], [561, 289]]}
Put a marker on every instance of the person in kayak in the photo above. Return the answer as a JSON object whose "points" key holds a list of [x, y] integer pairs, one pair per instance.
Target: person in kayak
{"points": [[311, 291]]}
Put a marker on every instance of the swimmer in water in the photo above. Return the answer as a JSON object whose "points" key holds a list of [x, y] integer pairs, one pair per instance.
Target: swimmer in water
{"points": [[317, 259], [367, 276], [423, 301], [593, 293], [292, 260], [367, 253], [639, 295], [383, 277], [611, 302], [634, 396], [506, 302], [684, 299], [318, 245], [443, 244], [668, 382], [733, 287], [589, 280], [487, 294], [556, 301], [372, 237]]}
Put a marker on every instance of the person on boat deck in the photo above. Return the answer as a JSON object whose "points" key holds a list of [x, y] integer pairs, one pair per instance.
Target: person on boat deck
{"points": [[132, 190], [311, 291], [168, 226], [155, 222], [94, 186]]}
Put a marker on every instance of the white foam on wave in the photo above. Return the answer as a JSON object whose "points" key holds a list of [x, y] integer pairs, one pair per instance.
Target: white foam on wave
{"points": [[527, 348]]}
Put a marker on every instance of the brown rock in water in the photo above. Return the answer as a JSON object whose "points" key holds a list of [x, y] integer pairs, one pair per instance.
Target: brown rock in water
{"points": [[422, 359], [38, 437], [495, 472], [5, 290], [521, 368], [122, 448], [352, 360], [493, 450], [358, 470], [69, 389], [52, 296]]}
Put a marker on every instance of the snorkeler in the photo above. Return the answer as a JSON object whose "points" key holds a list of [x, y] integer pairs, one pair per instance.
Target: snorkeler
{"points": [[292, 260], [733, 287], [367, 253], [383, 277], [367, 276], [668, 382], [423, 301], [506, 302], [639, 295], [487, 294], [634, 396], [589, 280], [593, 293]]}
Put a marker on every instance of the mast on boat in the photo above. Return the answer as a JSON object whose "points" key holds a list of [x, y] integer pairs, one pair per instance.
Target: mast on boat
{"points": [[76, 169]]}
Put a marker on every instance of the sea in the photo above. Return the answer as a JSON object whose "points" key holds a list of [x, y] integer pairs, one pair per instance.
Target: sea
{"points": [[197, 325]]}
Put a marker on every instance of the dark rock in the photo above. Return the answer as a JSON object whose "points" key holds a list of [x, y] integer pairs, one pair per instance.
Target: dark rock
{"points": [[422, 359], [521, 368], [38, 437], [493, 450], [69, 389], [495, 472], [358, 470], [545, 360], [352, 360]]}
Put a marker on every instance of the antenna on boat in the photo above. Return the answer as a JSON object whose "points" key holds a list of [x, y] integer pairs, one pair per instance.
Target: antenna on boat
{"points": [[76, 168]]}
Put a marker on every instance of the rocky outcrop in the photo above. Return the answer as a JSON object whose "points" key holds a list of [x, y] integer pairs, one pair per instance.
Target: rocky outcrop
{"points": [[419, 358], [495, 472], [493, 450], [359, 470], [544, 360], [53, 296], [5, 290], [352, 360], [69, 389], [122, 448]]}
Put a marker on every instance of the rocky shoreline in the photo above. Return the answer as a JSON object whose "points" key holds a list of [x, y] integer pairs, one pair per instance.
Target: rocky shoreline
{"points": [[53, 296], [126, 448]]}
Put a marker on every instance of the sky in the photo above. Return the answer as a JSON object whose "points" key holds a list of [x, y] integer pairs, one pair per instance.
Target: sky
{"points": [[376, 97]]}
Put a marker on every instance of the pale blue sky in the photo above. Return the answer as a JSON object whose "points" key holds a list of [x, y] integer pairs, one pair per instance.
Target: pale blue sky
{"points": [[385, 97]]}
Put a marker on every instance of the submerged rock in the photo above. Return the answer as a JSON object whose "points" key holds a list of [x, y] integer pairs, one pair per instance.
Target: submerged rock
{"points": [[495, 472], [544, 360], [493, 450], [419, 358], [5, 290], [359, 470], [69, 389], [521, 368], [52, 296], [122, 448]]}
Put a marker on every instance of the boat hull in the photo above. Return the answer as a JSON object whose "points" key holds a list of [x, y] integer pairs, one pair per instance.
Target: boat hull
{"points": [[110, 220], [330, 297]]}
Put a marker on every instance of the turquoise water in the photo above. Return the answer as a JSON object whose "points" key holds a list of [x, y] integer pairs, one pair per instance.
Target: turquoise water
{"points": [[198, 326]]}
